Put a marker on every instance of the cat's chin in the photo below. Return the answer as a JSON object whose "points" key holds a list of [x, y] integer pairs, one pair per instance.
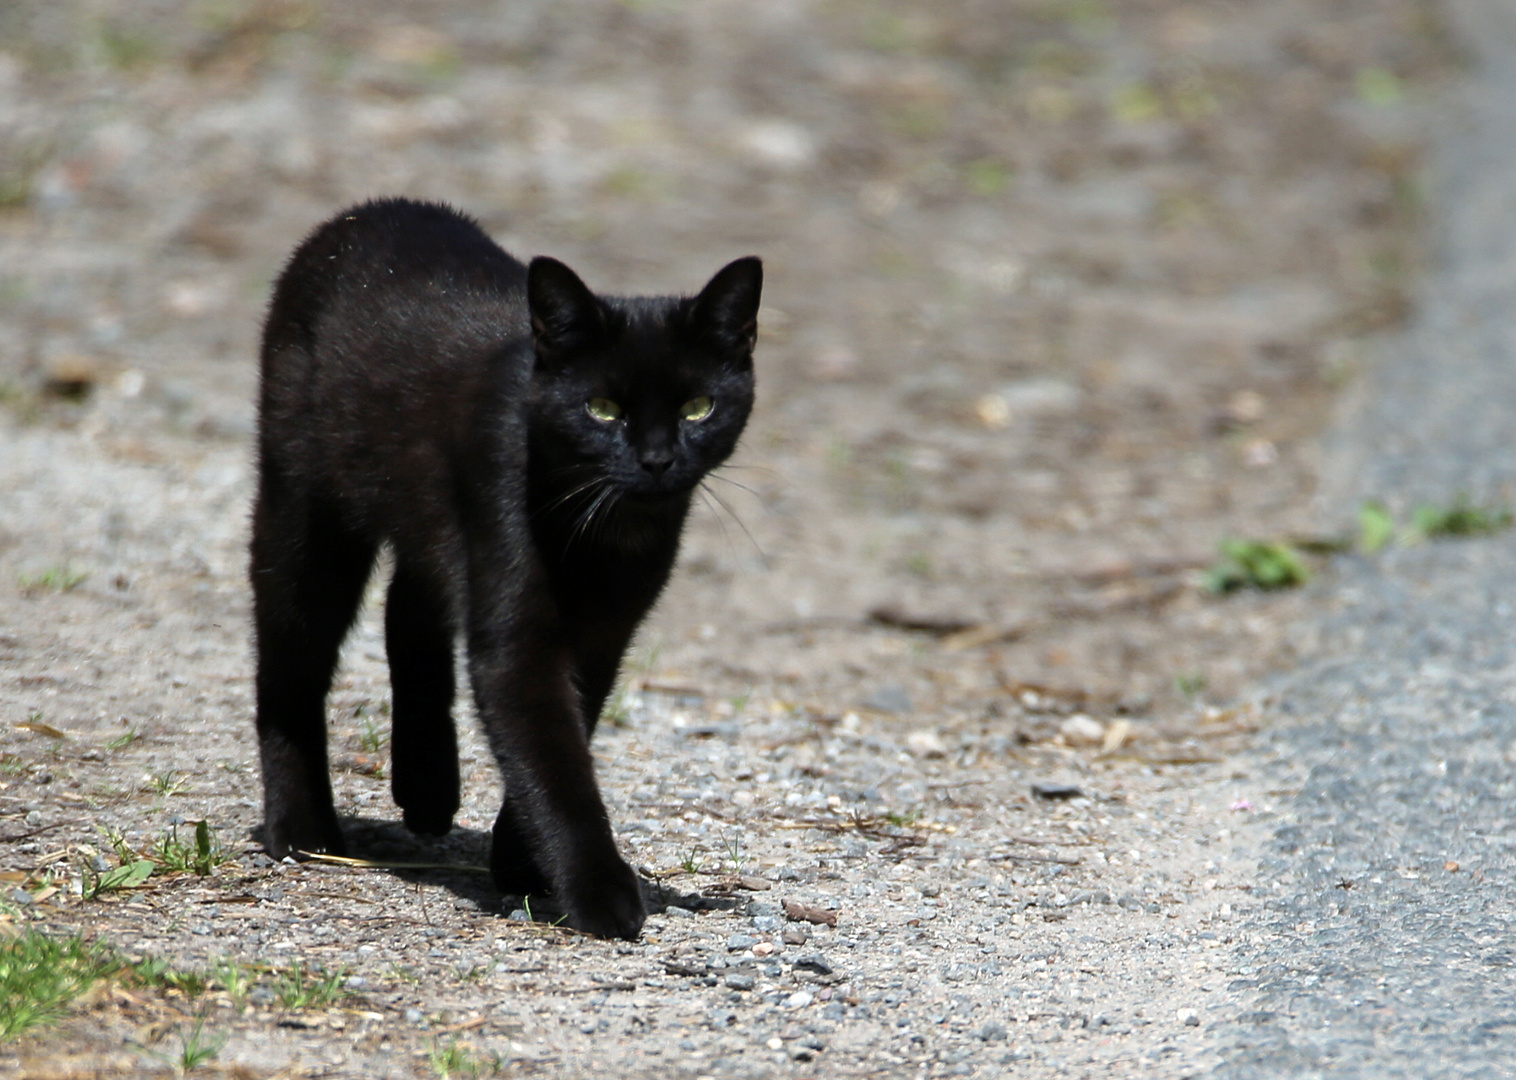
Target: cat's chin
{"points": [[654, 503]]}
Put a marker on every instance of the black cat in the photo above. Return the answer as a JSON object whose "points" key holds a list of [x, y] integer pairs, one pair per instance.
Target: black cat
{"points": [[528, 450]]}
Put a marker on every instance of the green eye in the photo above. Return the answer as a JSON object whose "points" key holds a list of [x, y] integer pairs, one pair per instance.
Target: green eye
{"points": [[697, 409], [603, 409]]}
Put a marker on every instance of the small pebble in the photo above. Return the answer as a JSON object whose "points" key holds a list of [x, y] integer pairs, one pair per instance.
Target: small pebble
{"points": [[891, 698], [414, 1016], [1082, 730], [794, 935], [20, 896], [740, 982], [763, 948], [775, 1044], [737, 942], [1057, 791], [678, 912], [814, 962], [34, 818], [926, 744], [799, 999]]}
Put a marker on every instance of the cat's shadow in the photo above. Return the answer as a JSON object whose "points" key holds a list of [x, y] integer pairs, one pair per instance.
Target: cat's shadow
{"points": [[459, 862]]}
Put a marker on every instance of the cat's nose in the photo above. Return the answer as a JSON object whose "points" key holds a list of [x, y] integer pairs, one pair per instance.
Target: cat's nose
{"points": [[657, 462]]}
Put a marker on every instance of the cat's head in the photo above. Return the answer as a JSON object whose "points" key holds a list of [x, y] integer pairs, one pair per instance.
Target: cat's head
{"points": [[645, 394]]}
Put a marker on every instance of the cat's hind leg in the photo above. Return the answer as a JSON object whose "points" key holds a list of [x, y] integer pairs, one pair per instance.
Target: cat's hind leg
{"points": [[308, 575], [418, 637]]}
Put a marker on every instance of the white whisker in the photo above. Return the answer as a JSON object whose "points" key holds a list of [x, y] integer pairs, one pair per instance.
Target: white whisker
{"points": [[762, 555]]}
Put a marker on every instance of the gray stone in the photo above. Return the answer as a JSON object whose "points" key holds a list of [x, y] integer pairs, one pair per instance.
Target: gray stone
{"points": [[813, 962], [890, 698]]}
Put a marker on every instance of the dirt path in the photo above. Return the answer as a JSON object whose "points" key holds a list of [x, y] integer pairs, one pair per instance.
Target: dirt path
{"points": [[1060, 296]]}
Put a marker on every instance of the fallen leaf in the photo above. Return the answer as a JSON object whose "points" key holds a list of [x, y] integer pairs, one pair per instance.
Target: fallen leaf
{"points": [[931, 623], [974, 637], [39, 728], [1116, 736], [798, 912]]}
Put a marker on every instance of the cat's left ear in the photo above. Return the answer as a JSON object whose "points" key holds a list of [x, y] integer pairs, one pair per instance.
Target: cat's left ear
{"points": [[726, 311]]}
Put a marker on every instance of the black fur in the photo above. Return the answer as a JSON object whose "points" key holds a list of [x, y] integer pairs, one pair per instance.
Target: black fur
{"points": [[422, 388]]}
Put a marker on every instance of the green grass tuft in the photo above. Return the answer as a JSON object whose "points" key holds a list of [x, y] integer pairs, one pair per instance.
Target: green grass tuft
{"points": [[200, 855], [453, 1059], [40, 975], [195, 1049], [59, 579], [1462, 518], [1376, 527], [303, 988], [1256, 564]]}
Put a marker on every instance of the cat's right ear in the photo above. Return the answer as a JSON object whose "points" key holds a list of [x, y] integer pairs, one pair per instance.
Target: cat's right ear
{"points": [[565, 314]]}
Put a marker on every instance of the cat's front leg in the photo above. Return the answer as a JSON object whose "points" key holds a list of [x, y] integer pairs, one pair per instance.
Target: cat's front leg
{"points": [[554, 825], [555, 819]]}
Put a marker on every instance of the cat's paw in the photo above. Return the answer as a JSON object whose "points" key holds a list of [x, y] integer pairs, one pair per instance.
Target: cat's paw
{"points": [[303, 838], [607, 904], [428, 821]]}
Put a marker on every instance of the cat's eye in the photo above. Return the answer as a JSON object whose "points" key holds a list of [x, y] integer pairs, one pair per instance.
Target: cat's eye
{"points": [[603, 409], [697, 409]]}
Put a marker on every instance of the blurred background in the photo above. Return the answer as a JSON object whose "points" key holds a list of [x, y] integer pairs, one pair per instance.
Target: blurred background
{"points": [[1059, 294]]}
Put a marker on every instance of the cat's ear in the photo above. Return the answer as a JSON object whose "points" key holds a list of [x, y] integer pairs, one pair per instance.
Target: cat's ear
{"points": [[726, 311], [565, 314]]}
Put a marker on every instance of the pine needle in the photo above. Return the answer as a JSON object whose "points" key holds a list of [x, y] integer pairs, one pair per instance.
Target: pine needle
{"points": [[371, 864]]}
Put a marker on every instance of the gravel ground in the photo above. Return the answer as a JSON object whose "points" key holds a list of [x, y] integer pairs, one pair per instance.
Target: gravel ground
{"points": [[1060, 295], [1387, 949]]}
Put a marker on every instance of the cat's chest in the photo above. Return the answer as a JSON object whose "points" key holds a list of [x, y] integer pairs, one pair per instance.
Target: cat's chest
{"points": [[610, 579]]}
